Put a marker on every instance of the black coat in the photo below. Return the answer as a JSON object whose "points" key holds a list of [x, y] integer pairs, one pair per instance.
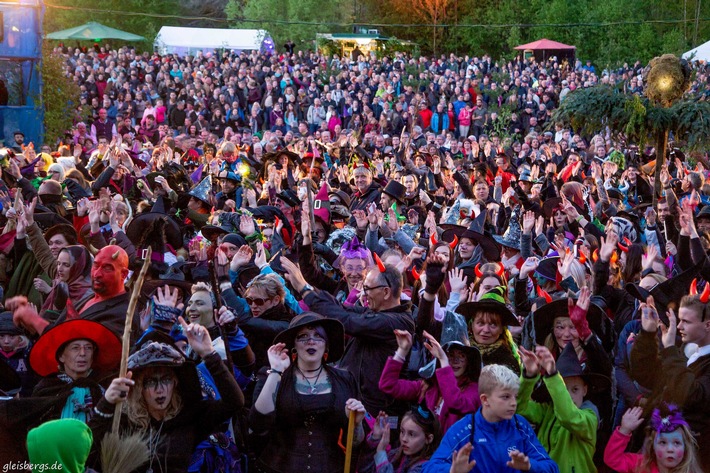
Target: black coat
{"points": [[302, 434]]}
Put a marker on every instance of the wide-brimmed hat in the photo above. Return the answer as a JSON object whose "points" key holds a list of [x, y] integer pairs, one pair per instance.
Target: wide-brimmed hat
{"points": [[396, 190], [158, 350], [667, 292], [492, 301], [143, 221], [568, 366], [477, 233], [473, 355], [44, 356], [544, 318], [333, 329]]}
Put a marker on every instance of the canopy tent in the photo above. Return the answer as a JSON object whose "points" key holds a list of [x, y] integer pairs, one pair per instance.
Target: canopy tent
{"points": [[545, 48], [93, 31], [701, 53], [183, 41]]}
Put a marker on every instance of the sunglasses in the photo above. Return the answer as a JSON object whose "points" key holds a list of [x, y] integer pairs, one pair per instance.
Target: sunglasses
{"points": [[257, 301]]}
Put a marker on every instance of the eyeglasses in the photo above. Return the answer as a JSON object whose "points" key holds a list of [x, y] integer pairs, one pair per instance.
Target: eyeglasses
{"points": [[354, 269], [305, 339], [152, 383], [256, 301], [366, 289]]}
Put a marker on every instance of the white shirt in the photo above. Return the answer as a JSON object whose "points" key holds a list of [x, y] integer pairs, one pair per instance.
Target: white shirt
{"points": [[701, 351]]}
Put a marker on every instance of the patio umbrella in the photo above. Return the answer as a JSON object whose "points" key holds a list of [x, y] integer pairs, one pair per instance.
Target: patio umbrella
{"points": [[93, 31]]}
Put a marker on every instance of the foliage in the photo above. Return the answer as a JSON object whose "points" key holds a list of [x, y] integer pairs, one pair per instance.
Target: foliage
{"points": [[60, 95], [272, 14], [635, 118]]}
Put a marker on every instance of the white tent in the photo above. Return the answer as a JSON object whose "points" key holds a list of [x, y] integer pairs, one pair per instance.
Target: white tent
{"points": [[701, 53], [183, 41]]}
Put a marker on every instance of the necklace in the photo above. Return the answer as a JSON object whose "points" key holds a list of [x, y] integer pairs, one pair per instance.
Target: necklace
{"points": [[153, 447], [312, 371], [313, 388]]}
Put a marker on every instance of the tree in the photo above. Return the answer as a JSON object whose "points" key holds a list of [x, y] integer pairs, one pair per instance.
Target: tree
{"points": [[60, 96], [431, 12], [296, 20]]}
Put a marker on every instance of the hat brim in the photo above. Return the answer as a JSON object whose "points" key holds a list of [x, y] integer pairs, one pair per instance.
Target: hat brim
{"points": [[333, 329], [473, 356], [544, 318], [173, 235], [470, 309], [107, 356], [212, 232], [502, 241], [491, 249]]}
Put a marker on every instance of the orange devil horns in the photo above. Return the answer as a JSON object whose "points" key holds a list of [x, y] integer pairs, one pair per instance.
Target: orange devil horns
{"points": [[454, 242], [477, 270], [415, 274], [694, 287], [706, 293], [433, 240], [380, 264], [542, 293]]}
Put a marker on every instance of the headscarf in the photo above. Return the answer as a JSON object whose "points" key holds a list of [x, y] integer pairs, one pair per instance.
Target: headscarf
{"points": [[79, 280]]}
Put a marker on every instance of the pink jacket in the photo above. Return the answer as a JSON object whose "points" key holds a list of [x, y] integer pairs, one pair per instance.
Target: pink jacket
{"points": [[616, 459], [457, 402]]}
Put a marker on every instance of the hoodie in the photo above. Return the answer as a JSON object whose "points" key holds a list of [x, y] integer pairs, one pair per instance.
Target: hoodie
{"points": [[59, 445]]}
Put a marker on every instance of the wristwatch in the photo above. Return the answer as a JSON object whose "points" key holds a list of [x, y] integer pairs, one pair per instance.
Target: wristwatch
{"points": [[305, 289]]}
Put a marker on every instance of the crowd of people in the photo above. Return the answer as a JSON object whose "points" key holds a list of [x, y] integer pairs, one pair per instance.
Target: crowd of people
{"points": [[401, 258]]}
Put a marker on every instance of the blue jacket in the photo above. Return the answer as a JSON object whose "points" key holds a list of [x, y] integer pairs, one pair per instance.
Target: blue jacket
{"points": [[492, 442]]}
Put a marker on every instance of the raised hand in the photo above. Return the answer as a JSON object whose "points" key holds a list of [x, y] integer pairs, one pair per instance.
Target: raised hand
{"points": [[260, 257], [668, 333], [530, 362], [608, 246], [278, 357], [457, 280], [246, 225], [631, 420], [404, 342], [435, 349], [649, 315], [119, 389], [518, 461], [168, 296], [528, 222], [529, 266], [459, 460], [241, 258], [649, 257], [545, 359], [198, 337]]}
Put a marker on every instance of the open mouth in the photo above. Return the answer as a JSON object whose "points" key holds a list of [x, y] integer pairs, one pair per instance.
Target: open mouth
{"points": [[160, 400], [311, 351]]}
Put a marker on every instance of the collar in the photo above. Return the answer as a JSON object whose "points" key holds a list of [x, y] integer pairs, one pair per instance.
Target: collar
{"points": [[701, 351]]}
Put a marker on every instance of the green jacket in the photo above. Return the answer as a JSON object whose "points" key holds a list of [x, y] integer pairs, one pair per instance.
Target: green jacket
{"points": [[568, 433]]}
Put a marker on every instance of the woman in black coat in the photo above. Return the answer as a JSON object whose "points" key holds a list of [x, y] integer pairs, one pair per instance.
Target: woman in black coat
{"points": [[301, 407]]}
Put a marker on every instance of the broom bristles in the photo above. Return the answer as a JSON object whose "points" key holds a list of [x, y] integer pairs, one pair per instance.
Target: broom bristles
{"points": [[123, 454]]}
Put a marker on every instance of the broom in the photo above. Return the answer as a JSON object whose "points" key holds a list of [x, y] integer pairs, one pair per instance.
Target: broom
{"points": [[125, 454]]}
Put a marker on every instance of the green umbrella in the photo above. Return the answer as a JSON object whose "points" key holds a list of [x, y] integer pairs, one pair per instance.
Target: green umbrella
{"points": [[93, 31]]}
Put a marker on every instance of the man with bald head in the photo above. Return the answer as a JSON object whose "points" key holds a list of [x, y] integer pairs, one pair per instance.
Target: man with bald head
{"points": [[106, 303]]}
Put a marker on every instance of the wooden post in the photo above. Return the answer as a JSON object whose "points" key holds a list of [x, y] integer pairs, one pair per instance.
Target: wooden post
{"points": [[349, 444], [661, 145], [135, 293]]}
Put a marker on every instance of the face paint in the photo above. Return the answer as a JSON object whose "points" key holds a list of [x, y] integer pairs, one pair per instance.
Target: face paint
{"points": [[109, 271], [669, 448]]}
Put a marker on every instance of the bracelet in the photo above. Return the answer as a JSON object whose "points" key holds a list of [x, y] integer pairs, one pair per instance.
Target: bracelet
{"points": [[273, 371], [579, 218], [102, 414]]}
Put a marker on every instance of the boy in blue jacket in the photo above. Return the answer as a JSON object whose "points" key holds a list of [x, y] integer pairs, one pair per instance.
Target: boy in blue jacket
{"points": [[494, 439]]}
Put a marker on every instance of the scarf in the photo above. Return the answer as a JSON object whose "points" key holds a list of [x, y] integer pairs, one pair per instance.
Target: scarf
{"points": [[79, 281], [487, 349]]}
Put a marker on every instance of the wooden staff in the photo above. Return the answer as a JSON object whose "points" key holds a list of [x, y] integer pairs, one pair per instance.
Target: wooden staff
{"points": [[127, 331], [349, 445]]}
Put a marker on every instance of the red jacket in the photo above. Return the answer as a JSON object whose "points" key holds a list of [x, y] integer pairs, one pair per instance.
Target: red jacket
{"points": [[618, 460]]}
